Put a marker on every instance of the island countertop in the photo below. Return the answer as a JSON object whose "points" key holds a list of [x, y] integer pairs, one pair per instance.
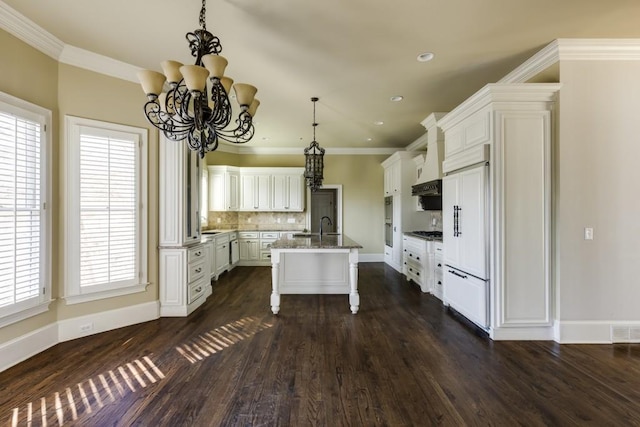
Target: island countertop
{"points": [[315, 241]]}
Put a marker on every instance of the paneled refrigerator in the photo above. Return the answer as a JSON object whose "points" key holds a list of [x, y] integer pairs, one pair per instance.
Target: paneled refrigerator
{"points": [[465, 231]]}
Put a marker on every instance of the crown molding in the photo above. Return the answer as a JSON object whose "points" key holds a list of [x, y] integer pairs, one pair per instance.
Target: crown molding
{"points": [[286, 151], [29, 32], [418, 144], [574, 50], [95, 62]]}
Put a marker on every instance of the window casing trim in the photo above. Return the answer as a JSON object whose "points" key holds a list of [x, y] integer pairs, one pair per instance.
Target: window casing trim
{"points": [[19, 107], [74, 293]]}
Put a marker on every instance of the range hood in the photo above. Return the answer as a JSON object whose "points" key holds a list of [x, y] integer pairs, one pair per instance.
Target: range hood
{"points": [[428, 186]]}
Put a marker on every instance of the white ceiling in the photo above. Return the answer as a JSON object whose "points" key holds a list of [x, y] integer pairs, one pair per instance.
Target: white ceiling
{"points": [[352, 54]]}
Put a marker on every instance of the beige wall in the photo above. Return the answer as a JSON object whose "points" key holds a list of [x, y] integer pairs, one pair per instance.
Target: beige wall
{"points": [[95, 96], [33, 76], [361, 177], [597, 178]]}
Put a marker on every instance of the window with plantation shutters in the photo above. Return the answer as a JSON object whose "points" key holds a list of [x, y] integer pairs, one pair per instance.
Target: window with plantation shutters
{"points": [[106, 194], [24, 254]]}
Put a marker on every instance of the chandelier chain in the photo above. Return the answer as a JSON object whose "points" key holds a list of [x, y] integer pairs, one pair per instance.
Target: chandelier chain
{"points": [[203, 13]]}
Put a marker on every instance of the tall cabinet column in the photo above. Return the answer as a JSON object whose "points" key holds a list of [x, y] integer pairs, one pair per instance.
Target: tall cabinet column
{"points": [[184, 262]]}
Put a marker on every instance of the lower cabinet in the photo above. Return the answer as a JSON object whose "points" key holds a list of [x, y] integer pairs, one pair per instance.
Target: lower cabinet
{"points": [[249, 245], [185, 279], [415, 261], [222, 254]]}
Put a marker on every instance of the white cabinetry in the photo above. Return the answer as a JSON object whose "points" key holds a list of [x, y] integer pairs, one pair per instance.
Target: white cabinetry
{"points": [[184, 268], [399, 176], [515, 122], [249, 243], [222, 253], [415, 264], [255, 191], [287, 190], [224, 188], [464, 222]]}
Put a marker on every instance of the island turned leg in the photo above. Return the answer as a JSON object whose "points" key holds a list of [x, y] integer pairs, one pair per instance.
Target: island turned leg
{"points": [[354, 297], [275, 276]]}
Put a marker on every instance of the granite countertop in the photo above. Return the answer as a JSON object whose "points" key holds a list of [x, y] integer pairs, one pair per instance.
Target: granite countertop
{"points": [[315, 241]]}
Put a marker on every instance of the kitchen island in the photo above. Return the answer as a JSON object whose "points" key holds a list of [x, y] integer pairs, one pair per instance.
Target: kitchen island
{"points": [[315, 264]]}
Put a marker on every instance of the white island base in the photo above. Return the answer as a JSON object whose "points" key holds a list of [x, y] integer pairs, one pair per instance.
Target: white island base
{"points": [[306, 270]]}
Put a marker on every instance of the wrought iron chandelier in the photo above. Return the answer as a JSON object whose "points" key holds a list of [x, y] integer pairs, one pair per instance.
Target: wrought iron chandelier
{"points": [[314, 157], [188, 111]]}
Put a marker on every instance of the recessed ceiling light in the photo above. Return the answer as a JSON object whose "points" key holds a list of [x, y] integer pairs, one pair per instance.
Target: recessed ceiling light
{"points": [[379, 123], [424, 57], [264, 138], [369, 139], [397, 98]]}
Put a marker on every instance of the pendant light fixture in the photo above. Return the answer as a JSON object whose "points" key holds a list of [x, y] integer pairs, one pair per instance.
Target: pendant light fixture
{"points": [[314, 157], [189, 110]]}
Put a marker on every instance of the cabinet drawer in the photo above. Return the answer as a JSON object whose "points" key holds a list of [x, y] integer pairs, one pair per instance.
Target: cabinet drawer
{"points": [[222, 239], [265, 256], [414, 273], [248, 234], [196, 290], [270, 235], [266, 244], [417, 256], [195, 254], [196, 270], [233, 235], [439, 248]]}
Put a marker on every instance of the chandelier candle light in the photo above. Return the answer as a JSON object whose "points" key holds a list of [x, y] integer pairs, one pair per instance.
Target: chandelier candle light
{"points": [[188, 110], [314, 154]]}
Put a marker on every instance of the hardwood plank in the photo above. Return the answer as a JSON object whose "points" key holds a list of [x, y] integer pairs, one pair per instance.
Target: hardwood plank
{"points": [[403, 360]]}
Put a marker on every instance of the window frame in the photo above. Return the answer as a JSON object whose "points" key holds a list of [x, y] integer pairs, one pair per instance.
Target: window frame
{"points": [[26, 110], [74, 292]]}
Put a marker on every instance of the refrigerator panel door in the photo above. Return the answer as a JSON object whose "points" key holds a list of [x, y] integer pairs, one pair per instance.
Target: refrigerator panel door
{"points": [[467, 294]]}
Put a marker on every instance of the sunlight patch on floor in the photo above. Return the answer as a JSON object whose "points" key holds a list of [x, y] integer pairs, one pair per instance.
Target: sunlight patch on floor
{"points": [[88, 396], [215, 340]]}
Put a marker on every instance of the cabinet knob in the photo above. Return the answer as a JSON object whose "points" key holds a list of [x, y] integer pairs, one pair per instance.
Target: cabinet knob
{"points": [[198, 270], [417, 257]]}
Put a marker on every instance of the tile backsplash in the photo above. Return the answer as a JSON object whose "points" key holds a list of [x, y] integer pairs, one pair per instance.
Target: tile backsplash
{"points": [[257, 220]]}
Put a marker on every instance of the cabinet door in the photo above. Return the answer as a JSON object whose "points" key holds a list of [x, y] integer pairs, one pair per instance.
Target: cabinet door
{"points": [[296, 193], [280, 192], [217, 191], [248, 193], [233, 187], [249, 250], [191, 202], [472, 221], [255, 194], [234, 251], [264, 192], [464, 221], [222, 257]]}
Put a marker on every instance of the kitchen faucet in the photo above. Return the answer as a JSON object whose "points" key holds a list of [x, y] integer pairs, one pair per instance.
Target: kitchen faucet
{"points": [[321, 220]]}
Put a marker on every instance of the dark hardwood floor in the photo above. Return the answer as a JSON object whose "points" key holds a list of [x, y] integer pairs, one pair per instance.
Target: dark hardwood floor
{"points": [[403, 360]]}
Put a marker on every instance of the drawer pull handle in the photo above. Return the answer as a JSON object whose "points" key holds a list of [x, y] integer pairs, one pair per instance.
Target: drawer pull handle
{"points": [[198, 253], [417, 273], [198, 270], [411, 255], [199, 289], [455, 273], [439, 265], [439, 282], [418, 258]]}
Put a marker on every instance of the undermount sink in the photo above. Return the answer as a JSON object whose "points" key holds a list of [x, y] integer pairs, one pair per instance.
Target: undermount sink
{"points": [[315, 234]]}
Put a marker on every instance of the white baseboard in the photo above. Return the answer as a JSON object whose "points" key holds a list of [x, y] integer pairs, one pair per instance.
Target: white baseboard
{"points": [[522, 334], [370, 258], [25, 346], [588, 331], [95, 323]]}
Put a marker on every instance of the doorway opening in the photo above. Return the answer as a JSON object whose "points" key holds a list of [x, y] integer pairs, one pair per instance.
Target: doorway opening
{"points": [[326, 201]]}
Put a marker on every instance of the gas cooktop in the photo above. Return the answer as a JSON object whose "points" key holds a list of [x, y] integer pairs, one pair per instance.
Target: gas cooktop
{"points": [[430, 235]]}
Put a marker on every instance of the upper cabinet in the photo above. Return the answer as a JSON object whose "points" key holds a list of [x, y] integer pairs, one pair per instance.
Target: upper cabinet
{"points": [[224, 188], [287, 192], [393, 179], [179, 194], [255, 191]]}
